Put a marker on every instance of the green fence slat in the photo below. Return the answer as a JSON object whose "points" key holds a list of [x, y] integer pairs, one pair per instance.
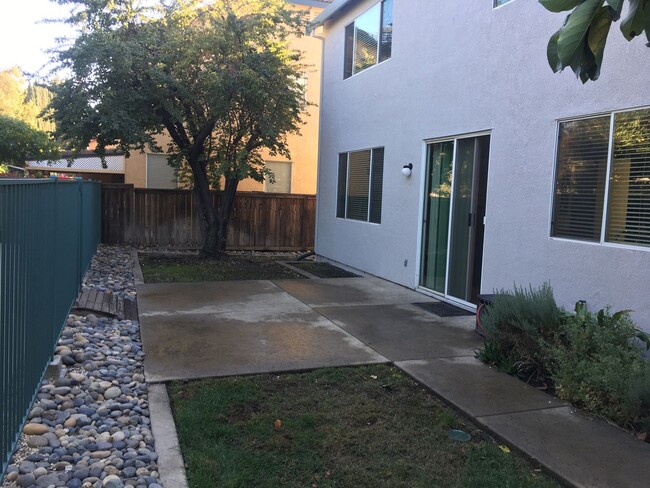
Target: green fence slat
{"points": [[48, 236]]}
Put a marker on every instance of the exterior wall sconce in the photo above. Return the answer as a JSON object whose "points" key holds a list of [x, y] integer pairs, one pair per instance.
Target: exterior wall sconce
{"points": [[407, 169]]}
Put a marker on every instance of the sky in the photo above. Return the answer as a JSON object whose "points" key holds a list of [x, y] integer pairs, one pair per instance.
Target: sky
{"points": [[23, 39]]}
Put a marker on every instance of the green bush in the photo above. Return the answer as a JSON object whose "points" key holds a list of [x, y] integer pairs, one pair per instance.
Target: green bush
{"points": [[596, 361], [637, 400], [517, 323]]}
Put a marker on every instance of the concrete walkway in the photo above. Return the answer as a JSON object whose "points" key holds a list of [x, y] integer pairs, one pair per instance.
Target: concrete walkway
{"points": [[220, 329]]}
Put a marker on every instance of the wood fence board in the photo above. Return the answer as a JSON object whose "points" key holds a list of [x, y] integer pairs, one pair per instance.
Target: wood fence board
{"points": [[167, 218]]}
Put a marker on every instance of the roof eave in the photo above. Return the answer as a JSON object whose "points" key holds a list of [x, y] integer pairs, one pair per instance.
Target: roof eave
{"points": [[328, 13]]}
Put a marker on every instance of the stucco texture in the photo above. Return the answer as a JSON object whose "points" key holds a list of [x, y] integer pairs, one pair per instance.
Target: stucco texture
{"points": [[458, 68]]}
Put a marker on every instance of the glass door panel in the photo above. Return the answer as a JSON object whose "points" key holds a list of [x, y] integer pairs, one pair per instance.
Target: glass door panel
{"points": [[454, 208], [461, 219], [437, 206]]}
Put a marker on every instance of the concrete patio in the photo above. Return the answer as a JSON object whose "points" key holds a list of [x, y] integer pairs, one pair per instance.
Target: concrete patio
{"points": [[192, 330]]}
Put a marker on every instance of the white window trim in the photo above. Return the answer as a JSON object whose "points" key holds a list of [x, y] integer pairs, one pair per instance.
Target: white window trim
{"points": [[602, 242], [495, 6]]}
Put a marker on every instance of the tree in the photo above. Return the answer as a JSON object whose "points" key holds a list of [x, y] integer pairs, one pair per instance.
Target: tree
{"points": [[22, 100], [20, 142], [580, 42], [217, 76]]}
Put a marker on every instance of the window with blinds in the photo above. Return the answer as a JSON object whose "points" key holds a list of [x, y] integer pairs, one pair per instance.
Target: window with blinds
{"points": [[604, 171], [360, 185], [368, 40], [628, 211]]}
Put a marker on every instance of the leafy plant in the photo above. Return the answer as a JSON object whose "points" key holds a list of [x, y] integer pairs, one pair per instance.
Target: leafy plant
{"points": [[596, 361], [492, 354], [580, 42], [517, 323], [637, 399]]}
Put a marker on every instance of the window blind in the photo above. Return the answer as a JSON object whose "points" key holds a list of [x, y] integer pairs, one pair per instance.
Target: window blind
{"points": [[366, 39], [376, 185], [358, 185], [628, 213], [580, 178]]}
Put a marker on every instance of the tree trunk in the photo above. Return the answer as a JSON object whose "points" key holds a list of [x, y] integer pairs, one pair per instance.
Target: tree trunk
{"points": [[225, 209], [208, 219]]}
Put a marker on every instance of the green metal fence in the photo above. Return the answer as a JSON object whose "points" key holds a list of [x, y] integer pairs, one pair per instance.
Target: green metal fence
{"points": [[49, 231]]}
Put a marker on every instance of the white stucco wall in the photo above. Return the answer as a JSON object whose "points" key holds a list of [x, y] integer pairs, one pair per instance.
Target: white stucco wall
{"points": [[456, 68]]}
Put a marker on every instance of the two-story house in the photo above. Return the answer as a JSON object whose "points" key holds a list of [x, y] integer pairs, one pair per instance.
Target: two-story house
{"points": [[455, 162]]}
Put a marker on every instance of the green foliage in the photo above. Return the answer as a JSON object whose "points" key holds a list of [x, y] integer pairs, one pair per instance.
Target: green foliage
{"points": [[218, 77], [24, 101], [20, 142], [637, 399], [516, 324], [580, 42], [493, 354], [597, 364], [594, 360]]}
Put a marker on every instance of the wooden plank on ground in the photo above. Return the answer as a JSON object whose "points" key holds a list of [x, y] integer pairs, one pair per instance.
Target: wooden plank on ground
{"points": [[90, 302], [106, 303], [120, 308], [113, 306], [98, 301]]}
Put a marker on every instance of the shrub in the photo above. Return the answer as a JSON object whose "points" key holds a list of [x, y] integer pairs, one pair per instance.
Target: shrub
{"points": [[597, 363], [637, 400], [517, 323]]}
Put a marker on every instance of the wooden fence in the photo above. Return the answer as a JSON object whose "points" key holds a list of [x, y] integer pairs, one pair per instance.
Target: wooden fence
{"points": [[167, 218]]}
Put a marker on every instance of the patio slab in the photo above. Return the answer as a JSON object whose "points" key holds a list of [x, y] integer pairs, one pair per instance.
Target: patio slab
{"points": [[336, 292], [404, 332], [581, 451], [194, 330], [475, 388]]}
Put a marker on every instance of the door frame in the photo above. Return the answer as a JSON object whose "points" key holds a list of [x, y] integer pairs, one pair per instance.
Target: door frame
{"points": [[423, 183]]}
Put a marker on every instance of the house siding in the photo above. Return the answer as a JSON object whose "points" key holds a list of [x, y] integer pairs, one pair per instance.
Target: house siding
{"points": [[462, 67]]}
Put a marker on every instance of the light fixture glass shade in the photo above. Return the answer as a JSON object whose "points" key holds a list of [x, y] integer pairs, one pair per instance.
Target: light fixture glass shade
{"points": [[406, 169]]}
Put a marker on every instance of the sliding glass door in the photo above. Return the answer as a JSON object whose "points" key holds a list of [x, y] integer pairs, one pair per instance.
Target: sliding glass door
{"points": [[454, 209]]}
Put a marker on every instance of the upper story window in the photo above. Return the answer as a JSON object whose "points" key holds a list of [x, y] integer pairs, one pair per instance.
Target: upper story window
{"points": [[498, 3], [369, 39], [602, 182]]}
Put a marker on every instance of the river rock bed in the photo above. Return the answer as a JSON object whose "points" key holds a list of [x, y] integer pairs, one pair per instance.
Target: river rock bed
{"points": [[90, 427], [111, 271]]}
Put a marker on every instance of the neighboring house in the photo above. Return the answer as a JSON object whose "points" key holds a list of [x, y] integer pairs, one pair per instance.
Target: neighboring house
{"points": [[298, 175], [519, 175]]}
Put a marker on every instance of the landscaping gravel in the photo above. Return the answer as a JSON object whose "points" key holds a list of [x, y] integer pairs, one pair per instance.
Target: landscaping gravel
{"points": [[90, 428]]}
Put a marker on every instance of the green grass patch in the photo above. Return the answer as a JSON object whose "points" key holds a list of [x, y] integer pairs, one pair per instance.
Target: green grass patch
{"points": [[323, 270], [180, 268], [344, 427]]}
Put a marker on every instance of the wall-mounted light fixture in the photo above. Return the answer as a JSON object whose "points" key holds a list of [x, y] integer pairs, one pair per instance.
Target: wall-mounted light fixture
{"points": [[407, 169]]}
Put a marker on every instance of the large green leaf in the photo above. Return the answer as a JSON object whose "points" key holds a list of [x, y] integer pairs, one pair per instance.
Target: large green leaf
{"points": [[559, 5], [617, 6], [598, 33], [573, 35], [635, 21], [551, 53]]}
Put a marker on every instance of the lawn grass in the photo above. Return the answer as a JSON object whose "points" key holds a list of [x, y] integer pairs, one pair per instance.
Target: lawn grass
{"points": [[368, 426], [181, 268]]}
